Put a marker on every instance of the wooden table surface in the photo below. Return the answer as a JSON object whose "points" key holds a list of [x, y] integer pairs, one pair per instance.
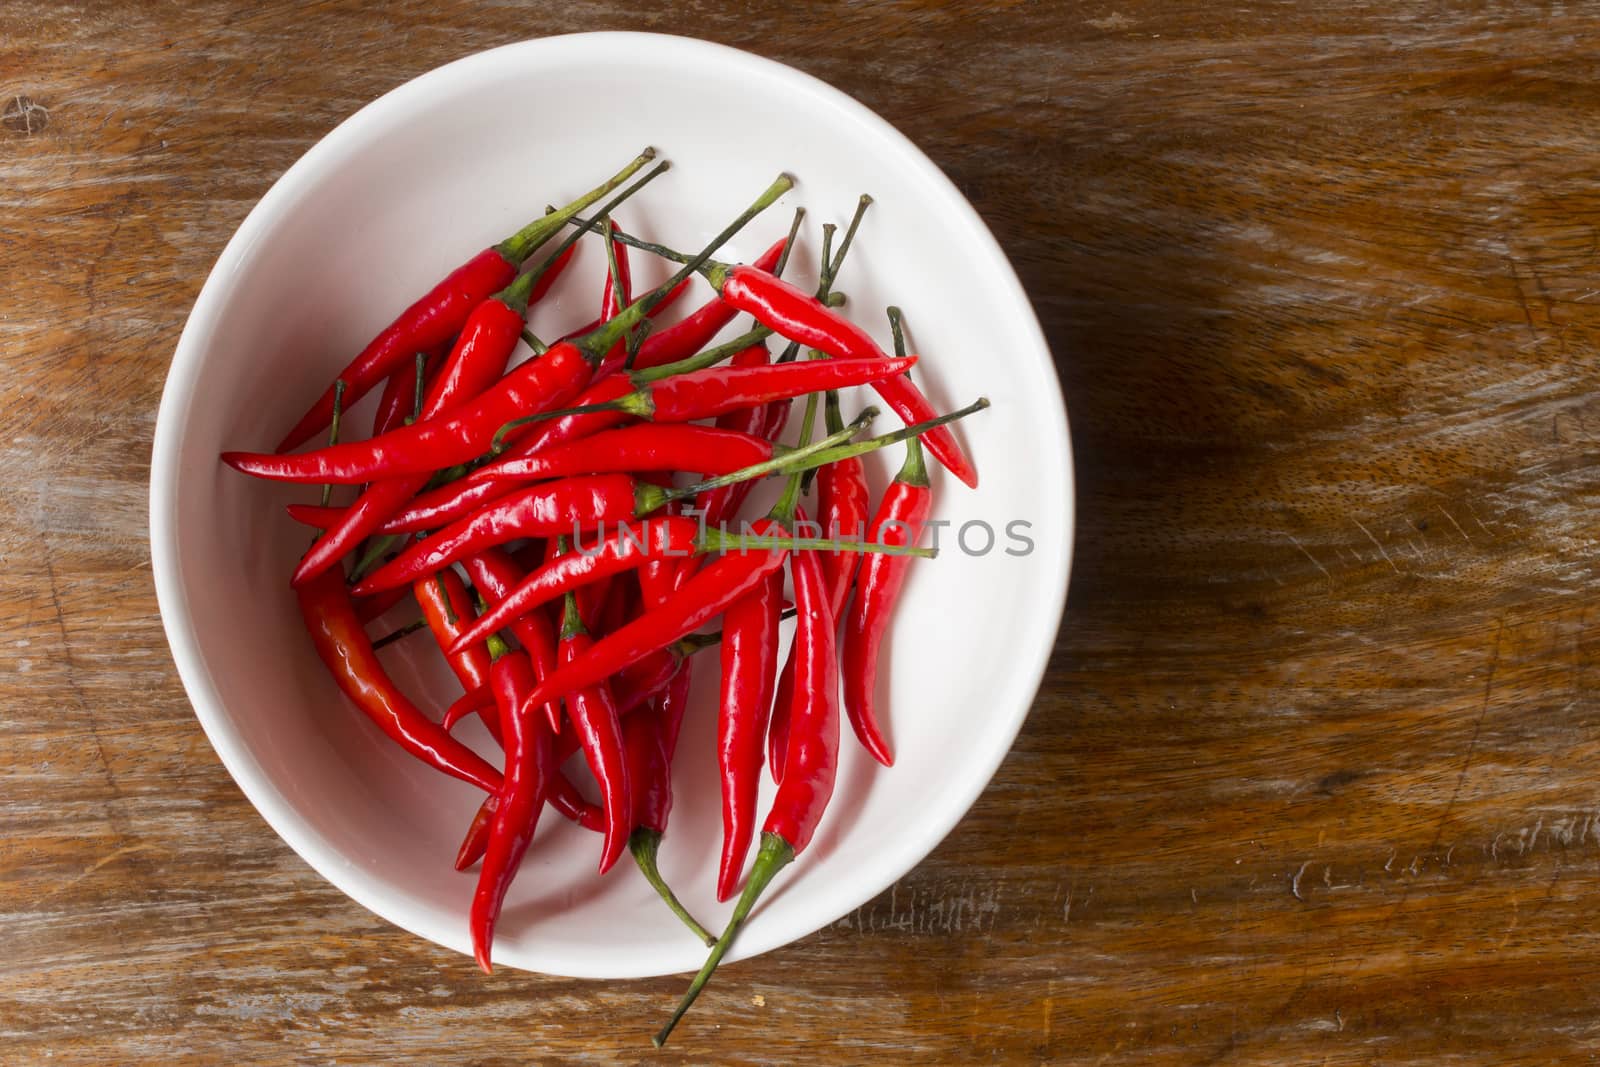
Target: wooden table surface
{"points": [[1312, 777]]}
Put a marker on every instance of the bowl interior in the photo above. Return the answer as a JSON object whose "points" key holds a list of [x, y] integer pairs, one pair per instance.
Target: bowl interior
{"points": [[372, 216]]}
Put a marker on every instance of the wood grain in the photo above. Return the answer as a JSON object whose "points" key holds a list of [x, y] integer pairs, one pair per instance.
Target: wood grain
{"points": [[1312, 776]]}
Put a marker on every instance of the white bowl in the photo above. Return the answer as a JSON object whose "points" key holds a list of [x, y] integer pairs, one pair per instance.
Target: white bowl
{"points": [[369, 218]]}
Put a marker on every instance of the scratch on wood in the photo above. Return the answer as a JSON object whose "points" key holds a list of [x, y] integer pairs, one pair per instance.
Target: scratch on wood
{"points": [[1379, 547], [1454, 523], [1294, 884], [1312, 558]]}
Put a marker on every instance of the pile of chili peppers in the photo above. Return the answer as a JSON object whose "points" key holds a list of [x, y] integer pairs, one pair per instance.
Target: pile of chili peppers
{"points": [[562, 523]]}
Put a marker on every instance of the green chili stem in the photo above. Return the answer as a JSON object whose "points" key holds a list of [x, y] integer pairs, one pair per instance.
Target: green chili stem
{"points": [[644, 843], [611, 259], [775, 854], [444, 594], [416, 391], [333, 432], [395, 635], [563, 216], [520, 245], [914, 471], [642, 245], [635, 339], [377, 548]]}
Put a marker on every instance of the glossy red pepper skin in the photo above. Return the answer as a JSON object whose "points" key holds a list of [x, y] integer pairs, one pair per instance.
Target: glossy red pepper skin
{"points": [[546, 510], [649, 768], [723, 503], [669, 447], [496, 576], [844, 506], [799, 316], [599, 728], [529, 769], [749, 673], [717, 390], [429, 323], [551, 432], [428, 511], [342, 643], [811, 760], [703, 597], [900, 518], [448, 609], [670, 537], [688, 336], [476, 362], [423, 447]]}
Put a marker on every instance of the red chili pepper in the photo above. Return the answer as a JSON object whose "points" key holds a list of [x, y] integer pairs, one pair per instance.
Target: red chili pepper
{"points": [[424, 447], [477, 700], [599, 729], [529, 769], [447, 608], [651, 738], [621, 550], [564, 796], [342, 643], [439, 315], [901, 514], [801, 317], [689, 335], [476, 362], [649, 447], [496, 576], [699, 394], [651, 764], [811, 762], [546, 510], [844, 505], [703, 597], [567, 800], [749, 670]]}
